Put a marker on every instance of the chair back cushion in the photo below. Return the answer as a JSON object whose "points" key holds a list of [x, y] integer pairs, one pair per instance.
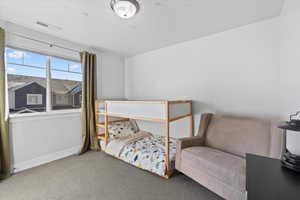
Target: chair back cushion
{"points": [[241, 135]]}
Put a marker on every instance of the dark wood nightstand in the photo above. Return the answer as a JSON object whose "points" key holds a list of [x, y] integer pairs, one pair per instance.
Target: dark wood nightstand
{"points": [[266, 179]]}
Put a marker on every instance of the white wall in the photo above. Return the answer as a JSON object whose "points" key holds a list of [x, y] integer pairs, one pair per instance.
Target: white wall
{"points": [[290, 66], [236, 71], [38, 139], [111, 76], [43, 138]]}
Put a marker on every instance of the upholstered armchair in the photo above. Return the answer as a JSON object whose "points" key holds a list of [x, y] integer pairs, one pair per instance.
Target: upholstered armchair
{"points": [[216, 156]]}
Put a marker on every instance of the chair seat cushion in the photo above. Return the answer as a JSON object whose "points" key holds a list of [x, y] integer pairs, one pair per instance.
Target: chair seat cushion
{"points": [[224, 167]]}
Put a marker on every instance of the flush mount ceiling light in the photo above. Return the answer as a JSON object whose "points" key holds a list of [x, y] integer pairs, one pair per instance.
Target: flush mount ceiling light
{"points": [[125, 8]]}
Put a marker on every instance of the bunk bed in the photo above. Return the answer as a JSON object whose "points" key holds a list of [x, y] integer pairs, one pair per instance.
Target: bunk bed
{"points": [[147, 147]]}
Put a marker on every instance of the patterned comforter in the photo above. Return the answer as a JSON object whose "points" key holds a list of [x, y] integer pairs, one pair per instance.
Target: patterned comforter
{"points": [[148, 153]]}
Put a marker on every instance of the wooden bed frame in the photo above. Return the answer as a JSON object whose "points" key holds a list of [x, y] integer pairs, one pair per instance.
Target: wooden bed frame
{"points": [[167, 115]]}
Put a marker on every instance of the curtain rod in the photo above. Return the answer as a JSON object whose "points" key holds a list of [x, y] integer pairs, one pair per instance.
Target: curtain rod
{"points": [[44, 42]]}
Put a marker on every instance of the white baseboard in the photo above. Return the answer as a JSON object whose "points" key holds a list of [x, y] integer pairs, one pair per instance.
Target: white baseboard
{"points": [[45, 159]]}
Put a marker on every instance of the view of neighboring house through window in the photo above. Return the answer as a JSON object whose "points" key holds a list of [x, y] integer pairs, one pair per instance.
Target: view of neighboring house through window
{"points": [[27, 82], [26, 75], [66, 92]]}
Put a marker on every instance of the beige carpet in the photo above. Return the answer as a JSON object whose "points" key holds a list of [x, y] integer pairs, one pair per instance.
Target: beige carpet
{"points": [[97, 176]]}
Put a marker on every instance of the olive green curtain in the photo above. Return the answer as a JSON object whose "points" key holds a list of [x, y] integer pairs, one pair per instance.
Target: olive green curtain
{"points": [[5, 168], [89, 66]]}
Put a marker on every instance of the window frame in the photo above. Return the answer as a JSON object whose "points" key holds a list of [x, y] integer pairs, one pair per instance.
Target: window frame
{"points": [[48, 111]]}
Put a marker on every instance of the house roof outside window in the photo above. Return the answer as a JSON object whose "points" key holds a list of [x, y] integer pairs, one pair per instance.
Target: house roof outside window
{"points": [[58, 86]]}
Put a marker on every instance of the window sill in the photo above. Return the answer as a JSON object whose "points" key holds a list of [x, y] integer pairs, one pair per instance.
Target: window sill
{"points": [[44, 115]]}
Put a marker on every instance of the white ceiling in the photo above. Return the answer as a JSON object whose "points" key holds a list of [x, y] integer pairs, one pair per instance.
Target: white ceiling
{"points": [[158, 24]]}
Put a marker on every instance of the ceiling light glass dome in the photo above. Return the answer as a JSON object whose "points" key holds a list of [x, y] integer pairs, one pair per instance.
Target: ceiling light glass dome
{"points": [[125, 8]]}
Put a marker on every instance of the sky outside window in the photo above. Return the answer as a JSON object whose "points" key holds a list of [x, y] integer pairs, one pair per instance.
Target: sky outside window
{"points": [[35, 60], [25, 71], [17, 62]]}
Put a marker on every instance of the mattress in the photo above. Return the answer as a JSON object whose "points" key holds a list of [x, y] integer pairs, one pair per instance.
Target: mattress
{"points": [[148, 153]]}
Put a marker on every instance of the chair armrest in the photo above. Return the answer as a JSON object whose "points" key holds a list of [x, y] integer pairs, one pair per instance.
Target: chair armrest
{"points": [[185, 143], [189, 142]]}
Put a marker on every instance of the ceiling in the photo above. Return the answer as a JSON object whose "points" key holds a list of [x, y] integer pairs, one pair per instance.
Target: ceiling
{"points": [[158, 24]]}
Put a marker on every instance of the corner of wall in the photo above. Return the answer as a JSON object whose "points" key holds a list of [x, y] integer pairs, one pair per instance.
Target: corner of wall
{"points": [[110, 77], [126, 77]]}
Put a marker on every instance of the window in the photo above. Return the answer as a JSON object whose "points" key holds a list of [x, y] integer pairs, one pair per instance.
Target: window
{"points": [[27, 82], [34, 99], [62, 99], [66, 84], [26, 74]]}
